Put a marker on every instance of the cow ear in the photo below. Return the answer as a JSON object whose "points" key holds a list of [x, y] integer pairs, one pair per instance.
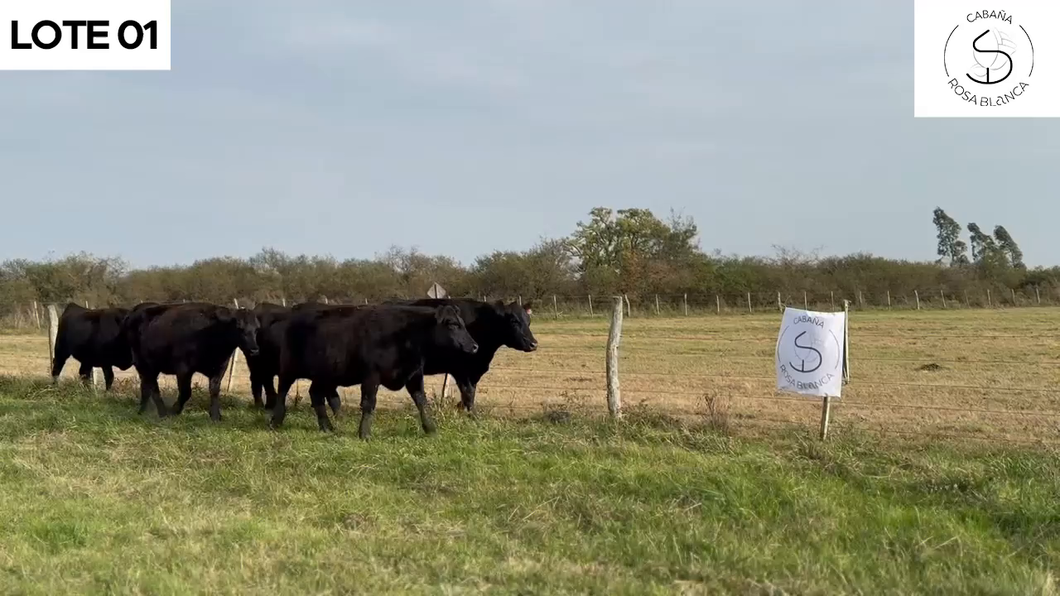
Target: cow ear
{"points": [[225, 315]]}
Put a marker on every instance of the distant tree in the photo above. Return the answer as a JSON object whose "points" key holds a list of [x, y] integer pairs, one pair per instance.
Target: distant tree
{"points": [[950, 245], [1006, 244]]}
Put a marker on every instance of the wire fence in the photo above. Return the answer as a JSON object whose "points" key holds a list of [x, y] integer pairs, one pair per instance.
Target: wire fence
{"points": [[562, 306], [993, 379]]}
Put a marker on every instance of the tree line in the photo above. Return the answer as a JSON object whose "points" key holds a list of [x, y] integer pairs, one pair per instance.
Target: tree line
{"points": [[628, 251]]}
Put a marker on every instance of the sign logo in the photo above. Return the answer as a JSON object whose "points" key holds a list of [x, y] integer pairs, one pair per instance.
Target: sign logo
{"points": [[974, 60], [85, 35], [809, 354], [988, 59]]}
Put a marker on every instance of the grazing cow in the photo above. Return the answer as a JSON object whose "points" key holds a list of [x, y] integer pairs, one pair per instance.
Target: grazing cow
{"points": [[184, 339], [94, 338], [492, 325], [367, 346]]}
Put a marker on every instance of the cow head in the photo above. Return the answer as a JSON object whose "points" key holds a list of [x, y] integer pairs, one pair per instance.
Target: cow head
{"points": [[244, 325], [450, 332], [516, 328]]}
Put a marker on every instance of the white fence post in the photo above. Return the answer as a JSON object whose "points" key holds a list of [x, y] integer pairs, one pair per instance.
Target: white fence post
{"points": [[53, 334], [233, 359], [917, 294], [614, 336]]}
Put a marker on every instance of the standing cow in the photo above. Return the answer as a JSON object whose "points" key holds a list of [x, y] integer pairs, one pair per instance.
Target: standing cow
{"points": [[367, 346], [492, 325], [93, 337], [184, 339], [266, 364]]}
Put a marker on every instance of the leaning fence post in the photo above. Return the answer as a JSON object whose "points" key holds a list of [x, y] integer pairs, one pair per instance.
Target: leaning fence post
{"points": [[590, 305], [232, 360], [917, 294], [36, 312], [942, 293], [555, 309], [53, 334], [989, 301], [1013, 290], [657, 311], [1037, 296], [614, 398], [629, 308]]}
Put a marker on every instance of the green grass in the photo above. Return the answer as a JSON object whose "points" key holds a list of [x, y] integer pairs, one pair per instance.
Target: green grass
{"points": [[95, 499]]}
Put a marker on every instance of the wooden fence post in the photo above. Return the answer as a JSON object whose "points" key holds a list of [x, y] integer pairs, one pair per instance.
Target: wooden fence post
{"points": [[555, 308], [686, 304], [831, 295], [1013, 296], [283, 301], [846, 342], [717, 299], [888, 299], [521, 300], [826, 407], [942, 294], [1037, 296], [749, 308], [989, 301], [780, 305], [590, 305], [614, 336], [805, 302], [235, 357], [36, 313], [657, 311], [917, 294], [629, 307], [53, 333]]}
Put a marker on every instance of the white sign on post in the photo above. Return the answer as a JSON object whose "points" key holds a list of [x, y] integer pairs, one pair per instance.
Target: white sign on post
{"points": [[809, 352]]}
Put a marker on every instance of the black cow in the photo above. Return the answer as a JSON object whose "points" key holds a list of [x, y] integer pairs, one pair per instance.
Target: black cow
{"points": [[94, 338], [492, 325], [184, 339], [266, 364], [367, 346]]}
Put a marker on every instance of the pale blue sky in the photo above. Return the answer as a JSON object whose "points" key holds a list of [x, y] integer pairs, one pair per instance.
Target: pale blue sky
{"points": [[462, 127]]}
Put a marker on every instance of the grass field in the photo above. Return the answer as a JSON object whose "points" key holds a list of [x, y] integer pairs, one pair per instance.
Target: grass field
{"points": [[544, 495]]}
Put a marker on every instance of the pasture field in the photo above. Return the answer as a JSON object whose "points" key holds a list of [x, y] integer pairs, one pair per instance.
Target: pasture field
{"points": [[712, 483], [990, 375]]}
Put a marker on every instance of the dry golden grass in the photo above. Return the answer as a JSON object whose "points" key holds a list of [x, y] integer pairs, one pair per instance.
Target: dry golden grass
{"points": [[997, 375]]}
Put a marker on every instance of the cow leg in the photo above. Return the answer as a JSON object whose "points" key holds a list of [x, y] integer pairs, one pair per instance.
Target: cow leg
{"points": [[369, 388], [149, 387], [215, 396], [415, 389], [108, 377], [183, 393], [270, 393], [316, 397], [85, 372], [145, 394], [61, 354], [255, 387], [279, 409], [335, 402], [467, 395]]}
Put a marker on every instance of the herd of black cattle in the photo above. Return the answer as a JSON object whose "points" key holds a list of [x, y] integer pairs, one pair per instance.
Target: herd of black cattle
{"points": [[393, 344]]}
